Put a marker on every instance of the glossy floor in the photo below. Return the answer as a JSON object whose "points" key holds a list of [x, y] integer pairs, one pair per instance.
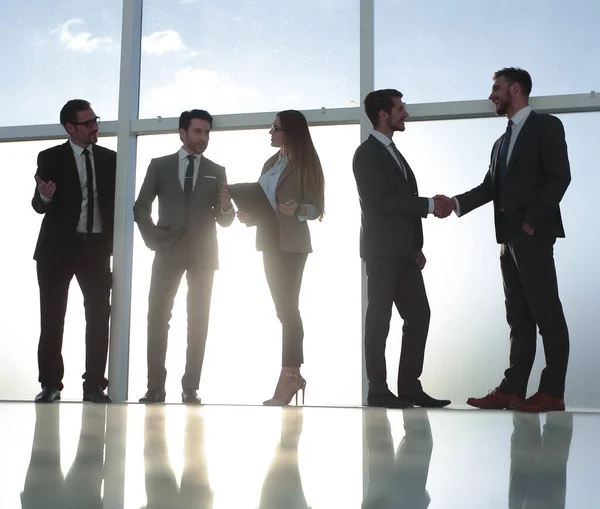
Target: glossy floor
{"points": [[72, 455]]}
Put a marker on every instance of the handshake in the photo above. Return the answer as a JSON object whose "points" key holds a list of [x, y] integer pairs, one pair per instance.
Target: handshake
{"points": [[443, 206]]}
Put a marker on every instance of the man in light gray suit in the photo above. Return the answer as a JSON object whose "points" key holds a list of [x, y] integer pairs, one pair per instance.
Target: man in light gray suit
{"points": [[192, 197]]}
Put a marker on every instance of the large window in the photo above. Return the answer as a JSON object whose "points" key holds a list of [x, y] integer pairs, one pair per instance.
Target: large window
{"points": [[56, 51], [243, 355], [467, 349], [448, 51], [242, 56], [20, 323]]}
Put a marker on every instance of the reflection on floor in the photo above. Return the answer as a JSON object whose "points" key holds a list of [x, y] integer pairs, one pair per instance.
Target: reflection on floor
{"points": [[87, 456]]}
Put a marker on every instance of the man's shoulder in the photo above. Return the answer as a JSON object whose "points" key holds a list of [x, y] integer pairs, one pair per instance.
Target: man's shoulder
{"points": [[166, 159], [366, 147], [212, 165], [55, 151], [99, 149]]}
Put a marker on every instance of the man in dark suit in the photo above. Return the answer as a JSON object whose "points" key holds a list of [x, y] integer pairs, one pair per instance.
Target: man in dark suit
{"points": [[76, 193], [192, 195], [391, 243], [527, 178]]}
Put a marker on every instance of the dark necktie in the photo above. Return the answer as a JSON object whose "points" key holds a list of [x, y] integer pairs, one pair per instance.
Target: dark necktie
{"points": [[188, 185], [90, 190], [397, 152], [503, 155]]}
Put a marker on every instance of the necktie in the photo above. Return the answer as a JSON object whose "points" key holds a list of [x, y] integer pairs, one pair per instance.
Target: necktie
{"points": [[397, 152], [90, 191], [503, 155], [188, 185]]}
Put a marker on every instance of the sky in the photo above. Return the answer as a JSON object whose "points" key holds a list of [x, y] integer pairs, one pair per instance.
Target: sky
{"points": [[267, 55]]}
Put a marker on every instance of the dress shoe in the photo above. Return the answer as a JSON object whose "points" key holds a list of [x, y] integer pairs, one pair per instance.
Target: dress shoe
{"points": [[388, 400], [539, 403], [154, 396], [96, 396], [424, 400], [190, 397], [495, 400], [48, 395]]}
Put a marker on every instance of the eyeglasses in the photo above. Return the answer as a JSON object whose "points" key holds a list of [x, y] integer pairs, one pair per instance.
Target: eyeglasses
{"points": [[88, 123], [275, 128]]}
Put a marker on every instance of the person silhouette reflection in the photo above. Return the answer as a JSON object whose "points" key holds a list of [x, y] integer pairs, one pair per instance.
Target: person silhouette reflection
{"points": [[45, 486], [538, 460], [44, 480], [162, 489], [282, 487], [398, 480]]}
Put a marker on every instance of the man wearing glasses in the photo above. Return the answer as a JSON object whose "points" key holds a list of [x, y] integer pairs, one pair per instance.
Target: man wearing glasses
{"points": [[76, 194]]}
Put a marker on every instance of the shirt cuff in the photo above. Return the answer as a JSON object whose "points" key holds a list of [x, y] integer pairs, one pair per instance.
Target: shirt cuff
{"points": [[226, 211], [44, 199], [457, 207], [431, 206], [311, 211]]}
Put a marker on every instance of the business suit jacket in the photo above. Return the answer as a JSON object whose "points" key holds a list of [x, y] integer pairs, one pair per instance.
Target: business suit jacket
{"points": [[183, 228], [391, 209], [61, 216], [294, 235], [538, 176]]}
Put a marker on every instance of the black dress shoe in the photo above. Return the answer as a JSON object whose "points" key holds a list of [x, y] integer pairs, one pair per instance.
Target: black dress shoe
{"points": [[190, 397], [423, 399], [154, 396], [388, 400], [48, 395], [96, 396]]}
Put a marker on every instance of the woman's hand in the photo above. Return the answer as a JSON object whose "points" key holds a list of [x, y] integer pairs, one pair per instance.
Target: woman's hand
{"points": [[243, 217], [289, 208]]}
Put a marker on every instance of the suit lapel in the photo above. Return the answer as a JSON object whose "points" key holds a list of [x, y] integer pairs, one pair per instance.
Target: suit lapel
{"points": [[391, 161], [525, 131], [171, 170], [71, 168]]}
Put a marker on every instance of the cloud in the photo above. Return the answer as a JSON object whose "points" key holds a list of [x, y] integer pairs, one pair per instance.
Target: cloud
{"points": [[163, 42], [197, 88], [83, 42]]}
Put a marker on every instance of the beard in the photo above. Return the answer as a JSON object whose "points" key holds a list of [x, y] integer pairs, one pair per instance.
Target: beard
{"points": [[504, 104]]}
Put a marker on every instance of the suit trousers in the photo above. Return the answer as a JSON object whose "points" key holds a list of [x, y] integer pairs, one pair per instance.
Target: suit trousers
{"points": [[89, 262], [284, 273], [395, 281], [167, 271], [531, 298]]}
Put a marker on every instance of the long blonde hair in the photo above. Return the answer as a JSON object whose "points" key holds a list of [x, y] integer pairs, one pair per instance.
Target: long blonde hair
{"points": [[300, 150]]}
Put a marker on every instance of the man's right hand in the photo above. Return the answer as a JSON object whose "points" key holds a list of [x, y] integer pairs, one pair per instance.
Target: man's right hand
{"points": [[46, 189], [443, 206], [243, 217]]}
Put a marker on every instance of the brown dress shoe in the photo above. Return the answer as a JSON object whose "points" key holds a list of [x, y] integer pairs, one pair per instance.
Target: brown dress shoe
{"points": [[495, 400], [539, 403]]}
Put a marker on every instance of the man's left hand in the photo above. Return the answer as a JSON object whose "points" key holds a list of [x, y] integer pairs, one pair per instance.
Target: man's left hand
{"points": [[226, 204], [421, 260], [527, 229]]}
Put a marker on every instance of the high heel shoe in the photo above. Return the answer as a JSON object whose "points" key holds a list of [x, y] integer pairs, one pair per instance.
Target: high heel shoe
{"points": [[288, 386]]}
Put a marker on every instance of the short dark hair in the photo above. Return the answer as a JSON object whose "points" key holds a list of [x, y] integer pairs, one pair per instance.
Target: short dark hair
{"points": [[514, 74], [186, 117], [69, 111], [380, 100]]}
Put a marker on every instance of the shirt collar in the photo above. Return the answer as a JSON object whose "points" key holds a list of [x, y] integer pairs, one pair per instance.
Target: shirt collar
{"points": [[521, 115], [381, 137], [183, 154], [79, 150]]}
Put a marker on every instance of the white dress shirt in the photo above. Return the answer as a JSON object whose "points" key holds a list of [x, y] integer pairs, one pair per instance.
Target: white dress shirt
{"points": [[518, 121], [82, 172], [182, 170], [387, 143], [183, 164]]}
